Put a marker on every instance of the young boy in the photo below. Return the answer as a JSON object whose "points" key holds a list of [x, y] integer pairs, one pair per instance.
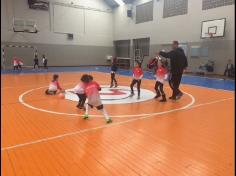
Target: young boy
{"points": [[161, 75], [113, 73], [92, 89], [137, 77], [36, 61], [54, 86]]}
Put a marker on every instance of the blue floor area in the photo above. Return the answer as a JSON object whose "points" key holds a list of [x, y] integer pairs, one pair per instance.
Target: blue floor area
{"points": [[187, 79]]}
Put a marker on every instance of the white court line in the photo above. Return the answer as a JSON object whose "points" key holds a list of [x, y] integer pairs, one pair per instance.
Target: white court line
{"points": [[104, 126], [116, 116]]}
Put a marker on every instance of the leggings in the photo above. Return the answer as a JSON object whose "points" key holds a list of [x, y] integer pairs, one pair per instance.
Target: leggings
{"points": [[138, 85], [82, 99], [113, 79], [159, 88]]}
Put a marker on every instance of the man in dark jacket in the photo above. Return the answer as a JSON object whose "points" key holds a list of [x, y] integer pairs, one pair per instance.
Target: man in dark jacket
{"points": [[229, 70], [178, 63]]}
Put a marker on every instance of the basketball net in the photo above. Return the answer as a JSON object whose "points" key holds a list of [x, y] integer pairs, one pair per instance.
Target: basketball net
{"points": [[210, 35]]}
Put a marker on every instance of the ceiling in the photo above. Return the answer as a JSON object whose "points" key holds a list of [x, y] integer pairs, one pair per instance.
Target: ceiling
{"points": [[113, 3]]}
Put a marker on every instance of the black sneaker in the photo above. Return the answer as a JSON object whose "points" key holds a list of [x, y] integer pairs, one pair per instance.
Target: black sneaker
{"points": [[132, 94], [109, 121], [157, 96], [179, 95]]}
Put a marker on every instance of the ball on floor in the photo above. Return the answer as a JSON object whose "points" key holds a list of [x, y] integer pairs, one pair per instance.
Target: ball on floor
{"points": [[61, 95]]}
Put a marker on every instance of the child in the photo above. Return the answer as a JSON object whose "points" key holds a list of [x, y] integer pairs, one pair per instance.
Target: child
{"points": [[54, 86], [15, 63], [45, 61], [161, 75], [113, 72], [79, 90], [137, 77], [92, 89], [36, 61], [20, 63]]}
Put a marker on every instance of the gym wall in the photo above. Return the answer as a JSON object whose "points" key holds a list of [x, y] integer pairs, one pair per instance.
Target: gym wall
{"points": [[91, 27], [185, 28]]}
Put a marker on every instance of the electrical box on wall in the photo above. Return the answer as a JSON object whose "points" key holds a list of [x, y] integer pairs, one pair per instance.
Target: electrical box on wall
{"points": [[129, 13], [70, 36]]}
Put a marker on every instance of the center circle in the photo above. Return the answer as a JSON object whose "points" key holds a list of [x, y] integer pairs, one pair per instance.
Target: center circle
{"points": [[31, 105], [118, 95]]}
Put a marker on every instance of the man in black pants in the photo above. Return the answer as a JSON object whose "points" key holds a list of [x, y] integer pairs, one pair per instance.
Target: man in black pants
{"points": [[178, 63]]}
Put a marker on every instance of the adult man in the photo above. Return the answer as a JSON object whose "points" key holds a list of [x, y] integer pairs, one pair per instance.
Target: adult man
{"points": [[229, 70], [178, 63]]}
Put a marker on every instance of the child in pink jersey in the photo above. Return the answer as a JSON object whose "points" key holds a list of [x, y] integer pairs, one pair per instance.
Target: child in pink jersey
{"points": [[92, 89], [54, 86]]}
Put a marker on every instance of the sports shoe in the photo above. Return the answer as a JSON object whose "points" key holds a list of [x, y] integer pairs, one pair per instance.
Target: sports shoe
{"points": [[116, 85], [179, 95], [85, 116], [157, 96], [109, 121], [163, 99], [132, 94]]}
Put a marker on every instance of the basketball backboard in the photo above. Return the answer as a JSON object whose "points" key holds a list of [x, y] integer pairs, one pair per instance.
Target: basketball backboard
{"points": [[213, 28]]}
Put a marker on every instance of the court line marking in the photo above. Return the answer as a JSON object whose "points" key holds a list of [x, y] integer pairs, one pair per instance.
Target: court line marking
{"points": [[105, 126], [114, 116]]}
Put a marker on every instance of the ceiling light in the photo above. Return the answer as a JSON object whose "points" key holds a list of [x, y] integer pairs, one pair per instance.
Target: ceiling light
{"points": [[120, 2]]}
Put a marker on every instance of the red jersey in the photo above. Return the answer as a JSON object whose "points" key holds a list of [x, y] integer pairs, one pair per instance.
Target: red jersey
{"points": [[137, 72], [161, 74]]}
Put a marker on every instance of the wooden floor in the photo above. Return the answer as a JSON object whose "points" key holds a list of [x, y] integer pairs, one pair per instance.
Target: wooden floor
{"points": [[147, 138]]}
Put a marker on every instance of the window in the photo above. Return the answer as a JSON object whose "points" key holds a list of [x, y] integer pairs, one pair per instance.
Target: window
{"points": [[143, 44], [210, 4], [175, 7], [144, 12], [122, 48]]}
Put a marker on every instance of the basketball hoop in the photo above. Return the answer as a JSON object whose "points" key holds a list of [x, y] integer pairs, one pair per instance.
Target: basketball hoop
{"points": [[210, 34]]}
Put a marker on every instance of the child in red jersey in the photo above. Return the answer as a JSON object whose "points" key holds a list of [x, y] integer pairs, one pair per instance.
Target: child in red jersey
{"points": [[54, 86], [92, 89], [161, 75], [137, 77]]}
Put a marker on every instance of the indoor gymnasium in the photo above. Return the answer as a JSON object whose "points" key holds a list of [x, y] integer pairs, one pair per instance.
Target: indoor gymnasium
{"points": [[117, 87]]}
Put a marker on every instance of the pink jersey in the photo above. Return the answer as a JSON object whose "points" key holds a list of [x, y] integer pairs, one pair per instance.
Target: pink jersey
{"points": [[15, 61], [54, 86], [137, 73], [92, 92]]}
